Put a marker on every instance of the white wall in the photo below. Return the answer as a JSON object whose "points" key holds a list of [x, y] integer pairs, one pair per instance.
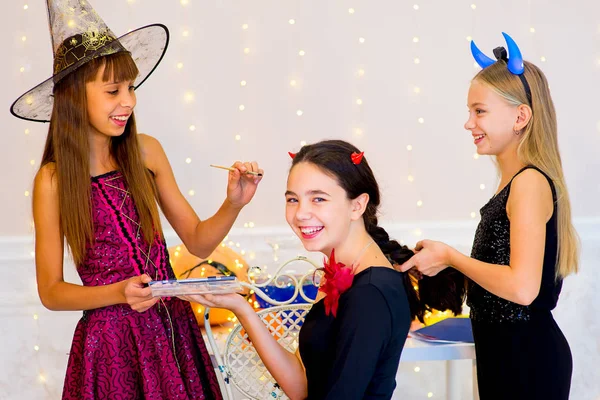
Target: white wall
{"points": [[447, 178]]}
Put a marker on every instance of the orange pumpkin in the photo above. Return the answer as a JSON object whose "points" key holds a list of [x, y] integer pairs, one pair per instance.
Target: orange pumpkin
{"points": [[187, 265]]}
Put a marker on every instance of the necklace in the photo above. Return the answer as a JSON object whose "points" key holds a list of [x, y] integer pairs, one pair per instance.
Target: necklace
{"points": [[362, 252]]}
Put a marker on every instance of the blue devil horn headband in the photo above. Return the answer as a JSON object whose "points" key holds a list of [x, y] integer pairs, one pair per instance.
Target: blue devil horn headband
{"points": [[514, 60]]}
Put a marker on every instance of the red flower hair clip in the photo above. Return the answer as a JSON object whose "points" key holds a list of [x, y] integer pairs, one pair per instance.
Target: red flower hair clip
{"points": [[357, 157], [338, 279]]}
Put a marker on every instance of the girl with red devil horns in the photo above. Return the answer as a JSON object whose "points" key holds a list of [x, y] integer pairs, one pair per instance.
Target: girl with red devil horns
{"points": [[352, 338]]}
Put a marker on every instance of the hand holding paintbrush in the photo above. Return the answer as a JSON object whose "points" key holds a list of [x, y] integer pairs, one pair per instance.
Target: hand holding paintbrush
{"points": [[242, 182]]}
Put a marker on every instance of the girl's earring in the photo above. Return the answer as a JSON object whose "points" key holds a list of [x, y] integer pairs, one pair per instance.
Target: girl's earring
{"points": [[517, 132]]}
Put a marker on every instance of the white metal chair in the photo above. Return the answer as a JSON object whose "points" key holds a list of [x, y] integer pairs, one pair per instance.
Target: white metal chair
{"points": [[239, 364]]}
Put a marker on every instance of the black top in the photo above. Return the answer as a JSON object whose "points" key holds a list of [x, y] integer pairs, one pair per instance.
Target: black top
{"points": [[492, 245], [356, 354]]}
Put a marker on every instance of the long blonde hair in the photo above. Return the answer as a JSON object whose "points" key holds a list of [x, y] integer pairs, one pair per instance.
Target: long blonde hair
{"points": [[539, 147], [67, 146]]}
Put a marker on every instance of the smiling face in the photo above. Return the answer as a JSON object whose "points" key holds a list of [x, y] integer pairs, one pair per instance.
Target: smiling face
{"points": [[109, 104], [317, 208], [491, 121]]}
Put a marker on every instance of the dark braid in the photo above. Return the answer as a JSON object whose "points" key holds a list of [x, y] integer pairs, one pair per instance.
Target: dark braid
{"points": [[446, 290]]}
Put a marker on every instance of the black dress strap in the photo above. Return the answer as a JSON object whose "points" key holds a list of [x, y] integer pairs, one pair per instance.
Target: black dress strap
{"points": [[550, 182]]}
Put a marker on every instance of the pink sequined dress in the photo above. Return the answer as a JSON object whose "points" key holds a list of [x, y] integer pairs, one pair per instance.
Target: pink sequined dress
{"points": [[121, 354]]}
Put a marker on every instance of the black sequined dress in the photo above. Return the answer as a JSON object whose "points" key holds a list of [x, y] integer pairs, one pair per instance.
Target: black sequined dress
{"points": [[521, 352]]}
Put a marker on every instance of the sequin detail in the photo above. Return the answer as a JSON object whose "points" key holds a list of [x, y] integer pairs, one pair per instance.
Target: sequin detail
{"points": [[118, 352], [492, 245]]}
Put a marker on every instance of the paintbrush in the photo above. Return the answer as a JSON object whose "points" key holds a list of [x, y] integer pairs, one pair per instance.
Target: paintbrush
{"points": [[234, 169]]}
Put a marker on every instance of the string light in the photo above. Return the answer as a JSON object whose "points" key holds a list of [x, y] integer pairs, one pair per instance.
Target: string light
{"points": [[416, 39], [23, 38], [469, 38], [238, 137], [185, 33], [358, 132], [302, 143], [532, 29], [416, 7], [27, 131], [32, 162], [25, 7], [301, 53], [189, 97], [22, 69], [430, 395], [476, 156], [417, 60], [421, 120], [359, 102], [419, 203], [473, 214], [361, 72], [409, 147], [242, 107], [251, 224], [188, 160], [247, 50], [473, 6], [292, 21], [482, 186], [245, 26], [292, 83], [299, 113], [411, 178], [543, 59], [361, 40], [191, 192], [192, 128], [179, 65], [417, 369], [417, 90], [27, 193], [243, 83], [351, 11], [184, 2]]}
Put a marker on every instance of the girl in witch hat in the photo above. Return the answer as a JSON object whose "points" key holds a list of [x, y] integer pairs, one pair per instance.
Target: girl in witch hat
{"points": [[97, 189], [525, 243]]}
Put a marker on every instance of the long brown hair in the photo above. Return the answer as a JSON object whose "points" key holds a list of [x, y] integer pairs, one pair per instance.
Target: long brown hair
{"points": [[446, 290], [67, 146], [539, 147]]}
